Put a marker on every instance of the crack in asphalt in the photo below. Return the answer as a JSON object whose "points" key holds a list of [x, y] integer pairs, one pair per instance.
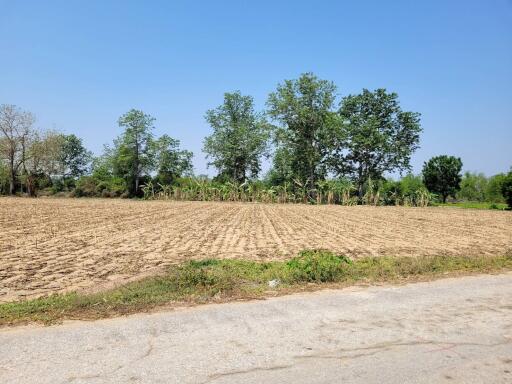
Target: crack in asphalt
{"points": [[382, 347], [216, 376]]}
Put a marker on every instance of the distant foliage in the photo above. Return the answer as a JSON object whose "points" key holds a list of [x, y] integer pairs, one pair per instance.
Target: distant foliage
{"points": [[473, 187], [494, 188], [506, 189], [325, 149]]}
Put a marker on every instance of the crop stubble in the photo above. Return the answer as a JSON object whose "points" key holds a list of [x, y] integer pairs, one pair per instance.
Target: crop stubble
{"points": [[58, 245]]}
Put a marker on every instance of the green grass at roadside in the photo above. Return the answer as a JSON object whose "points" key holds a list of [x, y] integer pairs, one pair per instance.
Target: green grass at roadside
{"points": [[220, 280], [473, 205]]}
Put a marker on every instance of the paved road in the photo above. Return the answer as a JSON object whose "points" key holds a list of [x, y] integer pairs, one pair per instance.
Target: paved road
{"points": [[451, 331]]}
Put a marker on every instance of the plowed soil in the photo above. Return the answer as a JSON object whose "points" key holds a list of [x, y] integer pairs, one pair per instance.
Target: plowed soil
{"points": [[59, 245]]}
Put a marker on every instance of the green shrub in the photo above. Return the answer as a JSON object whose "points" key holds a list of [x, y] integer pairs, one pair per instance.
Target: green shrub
{"points": [[317, 266], [91, 186]]}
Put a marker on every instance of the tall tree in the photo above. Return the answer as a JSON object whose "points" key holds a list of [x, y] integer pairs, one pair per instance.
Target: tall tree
{"points": [[74, 157], [441, 175], [239, 139], [304, 110], [16, 127], [171, 162], [375, 136], [41, 153], [134, 148]]}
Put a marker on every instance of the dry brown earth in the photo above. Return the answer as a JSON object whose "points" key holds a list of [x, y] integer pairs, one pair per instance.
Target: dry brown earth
{"points": [[57, 245]]}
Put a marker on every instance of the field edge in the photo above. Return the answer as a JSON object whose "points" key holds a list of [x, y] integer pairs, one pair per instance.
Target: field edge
{"points": [[222, 280]]}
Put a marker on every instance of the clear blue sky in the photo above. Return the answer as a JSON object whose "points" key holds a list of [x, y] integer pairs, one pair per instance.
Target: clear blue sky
{"points": [[78, 65]]}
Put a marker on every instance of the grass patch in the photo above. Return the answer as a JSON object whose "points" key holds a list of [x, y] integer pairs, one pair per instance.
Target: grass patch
{"points": [[219, 280], [473, 205]]}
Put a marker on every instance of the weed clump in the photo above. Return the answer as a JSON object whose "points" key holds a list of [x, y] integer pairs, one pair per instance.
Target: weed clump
{"points": [[317, 266]]}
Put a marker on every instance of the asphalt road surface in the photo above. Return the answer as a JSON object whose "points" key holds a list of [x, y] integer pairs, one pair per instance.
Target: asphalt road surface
{"points": [[446, 331]]}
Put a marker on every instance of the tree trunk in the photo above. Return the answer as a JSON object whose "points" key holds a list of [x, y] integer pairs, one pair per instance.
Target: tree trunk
{"points": [[360, 184], [11, 186], [30, 186], [12, 181]]}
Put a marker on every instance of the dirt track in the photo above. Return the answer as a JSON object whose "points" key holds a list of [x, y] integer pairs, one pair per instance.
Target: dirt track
{"points": [[56, 245]]}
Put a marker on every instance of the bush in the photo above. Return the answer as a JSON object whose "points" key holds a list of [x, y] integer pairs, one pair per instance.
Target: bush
{"points": [[85, 187], [317, 266], [90, 186]]}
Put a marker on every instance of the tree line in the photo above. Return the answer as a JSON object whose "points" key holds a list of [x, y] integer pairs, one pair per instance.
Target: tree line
{"points": [[322, 150]]}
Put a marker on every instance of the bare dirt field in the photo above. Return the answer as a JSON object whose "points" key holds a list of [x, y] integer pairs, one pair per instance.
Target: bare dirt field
{"points": [[58, 245]]}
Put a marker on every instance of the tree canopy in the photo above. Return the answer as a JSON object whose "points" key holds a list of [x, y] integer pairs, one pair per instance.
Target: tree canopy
{"points": [[375, 136], [74, 157], [441, 175], [303, 108], [171, 162], [239, 139], [133, 149]]}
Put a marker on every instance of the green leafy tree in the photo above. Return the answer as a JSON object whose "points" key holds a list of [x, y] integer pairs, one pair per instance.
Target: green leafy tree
{"points": [[473, 187], [133, 149], [441, 175], [493, 190], [304, 110], [375, 136], [506, 189], [171, 162], [239, 139], [75, 159]]}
